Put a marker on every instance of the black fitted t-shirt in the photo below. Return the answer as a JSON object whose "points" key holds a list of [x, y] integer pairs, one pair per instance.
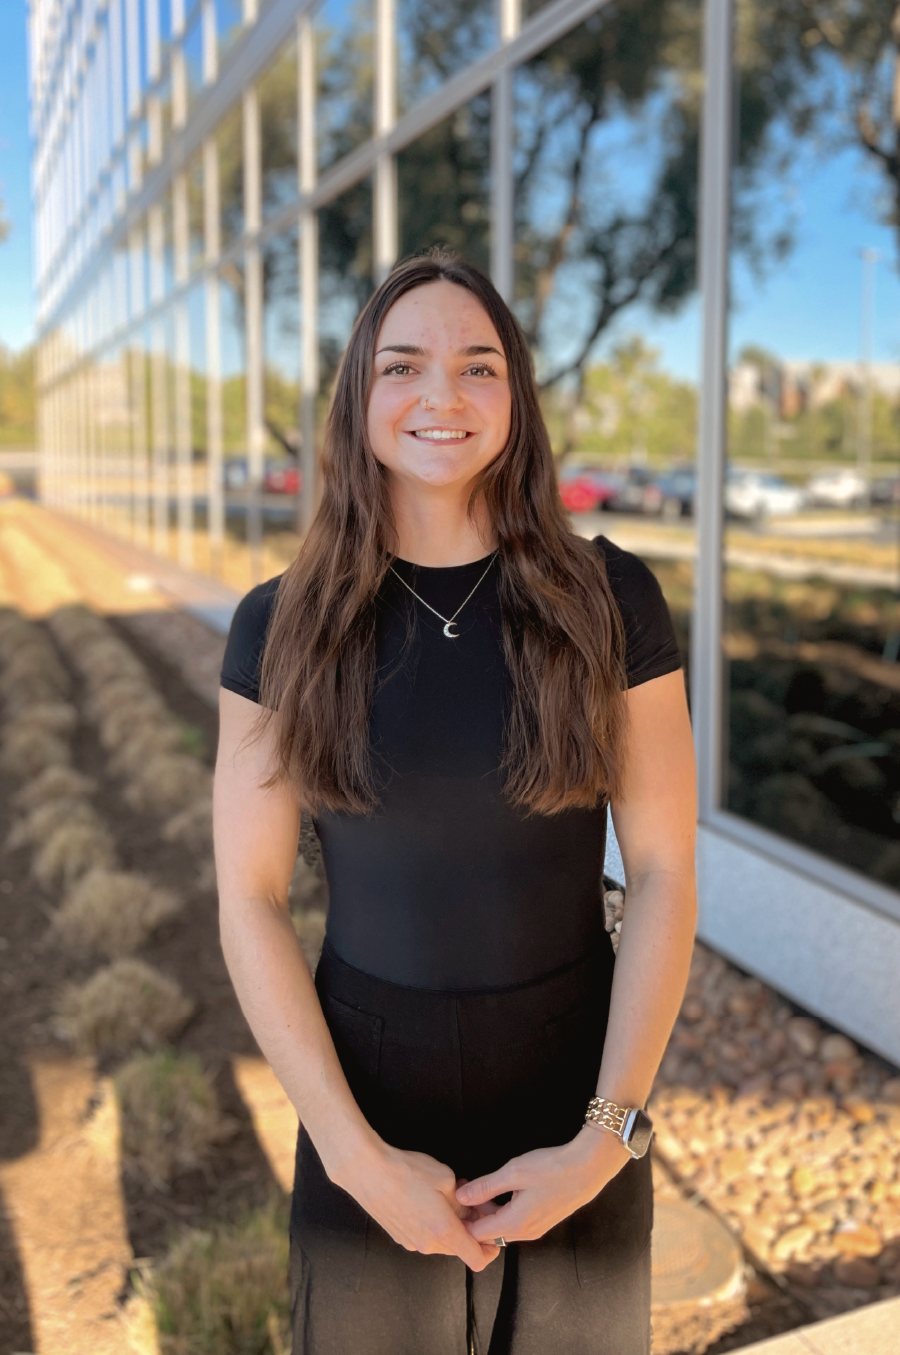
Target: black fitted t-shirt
{"points": [[446, 885]]}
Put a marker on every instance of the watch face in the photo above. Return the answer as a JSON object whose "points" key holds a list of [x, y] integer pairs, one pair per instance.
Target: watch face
{"points": [[638, 1133]]}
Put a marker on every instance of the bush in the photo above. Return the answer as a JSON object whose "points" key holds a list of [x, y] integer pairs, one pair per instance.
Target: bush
{"points": [[54, 783], [113, 911], [192, 827], [56, 717], [146, 739], [75, 624], [310, 929], [225, 1291], [105, 659], [26, 752], [71, 851], [170, 1114], [168, 782], [121, 692], [37, 661], [43, 821], [125, 1005]]}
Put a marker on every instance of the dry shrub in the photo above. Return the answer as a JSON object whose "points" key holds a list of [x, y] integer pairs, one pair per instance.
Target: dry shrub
{"points": [[150, 739], [310, 929], [43, 821], [113, 911], [134, 717], [122, 1006], [123, 691], [38, 661], [26, 751], [71, 851], [192, 827], [109, 658], [54, 783], [223, 1291], [170, 1114], [75, 624], [168, 782], [55, 717], [36, 692]]}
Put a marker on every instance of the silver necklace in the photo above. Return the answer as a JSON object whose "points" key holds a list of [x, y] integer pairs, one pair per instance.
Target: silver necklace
{"points": [[448, 621]]}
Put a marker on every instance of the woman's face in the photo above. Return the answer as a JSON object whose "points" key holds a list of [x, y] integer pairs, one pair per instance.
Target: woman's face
{"points": [[439, 409]]}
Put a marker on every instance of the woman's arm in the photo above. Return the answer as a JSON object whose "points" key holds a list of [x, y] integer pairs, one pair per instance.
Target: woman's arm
{"points": [[655, 820], [256, 833]]}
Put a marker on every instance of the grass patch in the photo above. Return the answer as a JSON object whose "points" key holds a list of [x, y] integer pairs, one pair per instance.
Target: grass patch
{"points": [[113, 911], [126, 1005], [169, 782], [170, 1115], [54, 783], [25, 752], [71, 851], [224, 1291]]}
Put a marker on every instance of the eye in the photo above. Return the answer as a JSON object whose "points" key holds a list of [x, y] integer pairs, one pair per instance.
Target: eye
{"points": [[397, 369], [482, 369]]}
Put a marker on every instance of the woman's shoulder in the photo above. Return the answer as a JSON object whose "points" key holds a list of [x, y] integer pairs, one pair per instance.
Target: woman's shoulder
{"points": [[246, 638], [651, 647]]}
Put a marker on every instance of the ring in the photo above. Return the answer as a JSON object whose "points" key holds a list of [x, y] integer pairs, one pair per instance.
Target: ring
{"points": [[499, 1241]]}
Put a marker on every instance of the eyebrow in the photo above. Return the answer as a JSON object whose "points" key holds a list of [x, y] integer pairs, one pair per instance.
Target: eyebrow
{"points": [[413, 350]]}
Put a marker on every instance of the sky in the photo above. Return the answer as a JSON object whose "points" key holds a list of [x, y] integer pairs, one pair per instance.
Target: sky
{"points": [[808, 307], [16, 305]]}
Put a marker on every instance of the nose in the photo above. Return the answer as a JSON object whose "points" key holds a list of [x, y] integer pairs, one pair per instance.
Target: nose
{"points": [[442, 392]]}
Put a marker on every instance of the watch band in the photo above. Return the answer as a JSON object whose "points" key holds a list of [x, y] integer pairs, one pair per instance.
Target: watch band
{"points": [[607, 1115]]}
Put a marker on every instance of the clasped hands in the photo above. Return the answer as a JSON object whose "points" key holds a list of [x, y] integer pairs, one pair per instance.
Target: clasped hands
{"points": [[424, 1208]]}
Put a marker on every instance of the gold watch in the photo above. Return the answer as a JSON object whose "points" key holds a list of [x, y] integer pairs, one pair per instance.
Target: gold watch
{"points": [[629, 1123]]}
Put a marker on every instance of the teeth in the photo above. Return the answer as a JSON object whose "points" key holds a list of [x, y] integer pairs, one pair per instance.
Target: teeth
{"points": [[442, 433]]}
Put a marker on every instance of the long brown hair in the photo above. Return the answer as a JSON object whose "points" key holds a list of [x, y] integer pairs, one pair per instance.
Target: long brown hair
{"points": [[562, 631]]}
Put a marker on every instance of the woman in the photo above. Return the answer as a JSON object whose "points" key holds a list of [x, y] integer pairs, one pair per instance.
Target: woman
{"points": [[456, 686]]}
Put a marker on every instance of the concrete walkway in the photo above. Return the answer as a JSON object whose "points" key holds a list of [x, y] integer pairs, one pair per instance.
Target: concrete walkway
{"points": [[866, 1331]]}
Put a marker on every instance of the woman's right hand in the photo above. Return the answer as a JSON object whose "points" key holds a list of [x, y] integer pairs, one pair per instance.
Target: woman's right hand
{"points": [[413, 1197]]}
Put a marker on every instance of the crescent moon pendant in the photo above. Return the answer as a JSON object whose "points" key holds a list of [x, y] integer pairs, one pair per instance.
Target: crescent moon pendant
{"points": [[451, 634]]}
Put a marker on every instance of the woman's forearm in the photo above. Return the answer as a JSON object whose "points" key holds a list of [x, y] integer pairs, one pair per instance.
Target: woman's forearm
{"points": [[651, 973], [279, 1000]]}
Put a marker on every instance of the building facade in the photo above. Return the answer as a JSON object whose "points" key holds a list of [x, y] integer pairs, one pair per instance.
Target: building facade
{"points": [[660, 188]]}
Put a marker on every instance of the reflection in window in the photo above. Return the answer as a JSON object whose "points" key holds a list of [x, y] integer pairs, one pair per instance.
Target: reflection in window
{"points": [[196, 238], [230, 140], [437, 38], [229, 22], [812, 584], [193, 59], [281, 339], [345, 275], [343, 32], [199, 439], [443, 188], [605, 162], [277, 94]]}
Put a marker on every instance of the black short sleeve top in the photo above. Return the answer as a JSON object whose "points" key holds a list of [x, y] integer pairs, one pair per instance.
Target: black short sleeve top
{"points": [[446, 885]]}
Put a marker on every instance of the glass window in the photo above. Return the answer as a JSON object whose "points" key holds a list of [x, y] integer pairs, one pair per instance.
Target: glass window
{"points": [[277, 95], [812, 584], [196, 237], [345, 273], [229, 22], [193, 59], [436, 41], [443, 185], [605, 165], [281, 337], [230, 140], [343, 32]]}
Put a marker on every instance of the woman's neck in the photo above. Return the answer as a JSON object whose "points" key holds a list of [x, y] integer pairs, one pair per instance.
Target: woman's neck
{"points": [[434, 532]]}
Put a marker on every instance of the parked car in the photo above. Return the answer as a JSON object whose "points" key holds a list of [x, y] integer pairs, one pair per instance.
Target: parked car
{"points": [[885, 490], [638, 493], [235, 472], [282, 477], [844, 488], [758, 494], [676, 493], [584, 489]]}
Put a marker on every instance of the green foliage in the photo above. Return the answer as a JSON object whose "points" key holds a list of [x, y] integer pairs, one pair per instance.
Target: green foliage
{"points": [[17, 397]]}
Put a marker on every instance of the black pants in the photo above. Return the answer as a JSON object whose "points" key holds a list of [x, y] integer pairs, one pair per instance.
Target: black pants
{"points": [[472, 1079]]}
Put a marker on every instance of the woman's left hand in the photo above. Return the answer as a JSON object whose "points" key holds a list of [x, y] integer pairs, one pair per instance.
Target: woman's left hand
{"points": [[547, 1186]]}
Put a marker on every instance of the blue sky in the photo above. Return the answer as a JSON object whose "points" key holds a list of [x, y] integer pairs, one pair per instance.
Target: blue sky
{"points": [[16, 308]]}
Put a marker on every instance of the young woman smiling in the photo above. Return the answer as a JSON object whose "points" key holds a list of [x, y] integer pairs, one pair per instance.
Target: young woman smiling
{"points": [[456, 686]]}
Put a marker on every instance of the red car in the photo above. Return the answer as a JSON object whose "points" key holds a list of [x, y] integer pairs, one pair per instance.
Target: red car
{"points": [[282, 479], [584, 489]]}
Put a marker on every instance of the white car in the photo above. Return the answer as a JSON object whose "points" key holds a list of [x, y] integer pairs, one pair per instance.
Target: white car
{"points": [[838, 489], [757, 494]]}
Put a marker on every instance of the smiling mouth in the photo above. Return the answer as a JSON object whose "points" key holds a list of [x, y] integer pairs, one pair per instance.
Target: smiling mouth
{"points": [[440, 434]]}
